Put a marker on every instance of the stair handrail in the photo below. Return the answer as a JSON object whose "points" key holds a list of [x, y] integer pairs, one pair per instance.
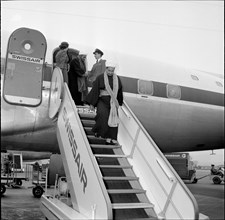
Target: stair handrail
{"points": [[97, 171], [165, 166], [87, 156]]}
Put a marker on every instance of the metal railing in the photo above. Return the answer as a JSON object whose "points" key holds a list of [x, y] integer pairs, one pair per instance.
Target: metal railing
{"points": [[164, 187], [94, 200]]}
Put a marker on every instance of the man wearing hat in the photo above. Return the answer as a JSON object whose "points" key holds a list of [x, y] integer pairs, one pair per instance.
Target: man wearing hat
{"points": [[57, 49], [98, 68], [106, 95]]}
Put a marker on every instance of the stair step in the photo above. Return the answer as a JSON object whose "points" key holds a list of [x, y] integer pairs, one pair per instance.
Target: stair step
{"points": [[94, 140], [111, 155], [88, 130], [116, 166], [105, 146], [129, 178], [87, 123], [87, 115], [93, 137], [132, 214], [132, 205], [125, 191], [147, 218]]}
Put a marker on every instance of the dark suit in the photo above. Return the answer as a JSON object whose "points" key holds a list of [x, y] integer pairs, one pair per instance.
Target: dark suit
{"points": [[97, 69], [102, 103], [77, 69]]}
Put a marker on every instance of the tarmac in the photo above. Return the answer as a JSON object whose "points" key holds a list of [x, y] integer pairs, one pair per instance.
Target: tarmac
{"points": [[19, 203], [210, 197]]}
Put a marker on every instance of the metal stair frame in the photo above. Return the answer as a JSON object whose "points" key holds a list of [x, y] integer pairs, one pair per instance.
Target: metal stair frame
{"points": [[163, 186], [97, 203], [136, 189]]}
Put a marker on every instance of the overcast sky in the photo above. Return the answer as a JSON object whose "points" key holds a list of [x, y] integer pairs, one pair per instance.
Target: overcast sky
{"points": [[185, 33]]}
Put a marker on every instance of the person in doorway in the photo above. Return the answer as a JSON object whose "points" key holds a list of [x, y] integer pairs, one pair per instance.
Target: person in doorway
{"points": [[98, 68], [77, 78], [62, 60], [107, 95], [8, 165], [215, 171]]}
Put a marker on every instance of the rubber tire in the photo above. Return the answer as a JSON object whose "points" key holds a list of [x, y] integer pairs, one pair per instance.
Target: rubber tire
{"points": [[195, 180], [37, 191], [19, 182], [3, 189], [216, 180]]}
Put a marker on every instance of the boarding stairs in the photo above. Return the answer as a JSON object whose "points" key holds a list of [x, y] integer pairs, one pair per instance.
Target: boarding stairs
{"points": [[128, 198], [131, 180]]}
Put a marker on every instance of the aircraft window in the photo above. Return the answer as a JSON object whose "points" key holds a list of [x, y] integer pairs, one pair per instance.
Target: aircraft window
{"points": [[145, 87], [27, 46], [219, 84], [173, 91], [194, 77]]}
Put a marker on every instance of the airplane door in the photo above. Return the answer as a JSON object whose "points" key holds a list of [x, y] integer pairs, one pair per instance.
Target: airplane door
{"points": [[56, 92], [24, 67]]}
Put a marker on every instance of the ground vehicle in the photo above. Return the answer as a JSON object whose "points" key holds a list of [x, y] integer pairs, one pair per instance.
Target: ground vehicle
{"points": [[182, 163], [10, 177], [217, 179], [37, 174], [11, 171]]}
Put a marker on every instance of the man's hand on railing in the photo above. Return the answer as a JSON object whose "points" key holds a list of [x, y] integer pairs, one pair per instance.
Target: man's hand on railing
{"points": [[125, 112]]}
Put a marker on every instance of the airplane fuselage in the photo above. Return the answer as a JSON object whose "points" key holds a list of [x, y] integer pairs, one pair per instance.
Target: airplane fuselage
{"points": [[191, 121], [28, 128]]}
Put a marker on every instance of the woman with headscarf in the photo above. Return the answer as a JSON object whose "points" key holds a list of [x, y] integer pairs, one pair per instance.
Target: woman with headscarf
{"points": [[62, 60], [107, 95]]}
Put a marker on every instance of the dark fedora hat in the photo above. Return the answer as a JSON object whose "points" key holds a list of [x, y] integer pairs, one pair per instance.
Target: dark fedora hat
{"points": [[64, 45], [98, 51]]}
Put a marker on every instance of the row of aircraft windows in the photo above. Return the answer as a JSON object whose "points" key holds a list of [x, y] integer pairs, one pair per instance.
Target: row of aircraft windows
{"points": [[196, 78], [173, 91], [146, 88]]}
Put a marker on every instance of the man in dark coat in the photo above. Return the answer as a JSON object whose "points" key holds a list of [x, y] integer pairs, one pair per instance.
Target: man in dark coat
{"points": [[77, 79], [105, 86]]}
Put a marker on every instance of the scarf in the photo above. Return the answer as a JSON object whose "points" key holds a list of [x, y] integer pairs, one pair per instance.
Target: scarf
{"points": [[113, 120]]}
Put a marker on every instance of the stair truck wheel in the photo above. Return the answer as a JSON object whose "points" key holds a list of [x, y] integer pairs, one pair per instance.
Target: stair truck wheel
{"points": [[195, 180], [193, 176], [3, 189], [37, 191], [216, 180], [19, 182]]}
